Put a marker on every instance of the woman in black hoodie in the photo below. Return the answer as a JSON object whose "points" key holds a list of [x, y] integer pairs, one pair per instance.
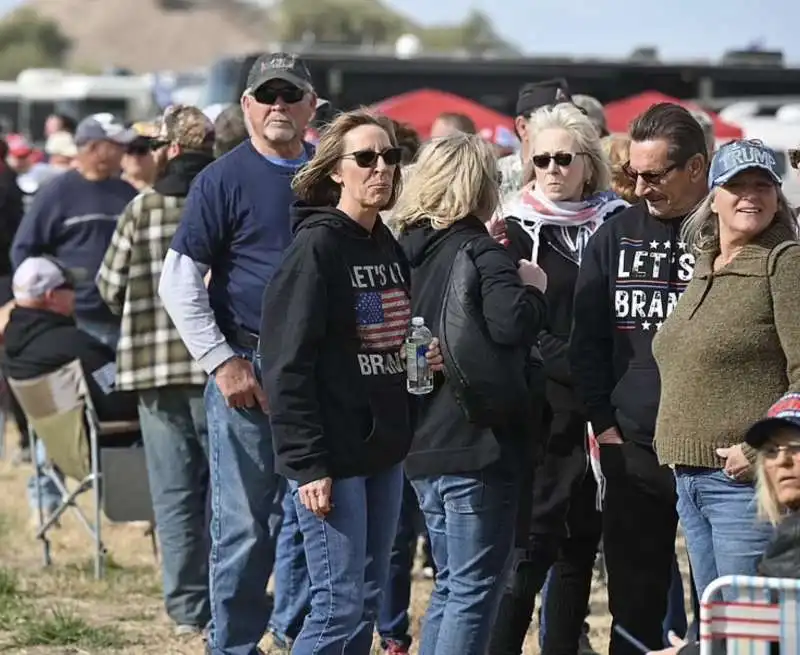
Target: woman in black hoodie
{"points": [[466, 476], [335, 378]]}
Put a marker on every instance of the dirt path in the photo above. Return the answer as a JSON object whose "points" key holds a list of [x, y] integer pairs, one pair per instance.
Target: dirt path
{"points": [[64, 610]]}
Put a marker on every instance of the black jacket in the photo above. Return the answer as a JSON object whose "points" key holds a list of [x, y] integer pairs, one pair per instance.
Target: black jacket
{"points": [[38, 342], [444, 442], [634, 269], [562, 274], [331, 366]]}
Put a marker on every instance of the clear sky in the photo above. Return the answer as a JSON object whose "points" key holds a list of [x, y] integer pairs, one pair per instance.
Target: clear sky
{"points": [[679, 28]]}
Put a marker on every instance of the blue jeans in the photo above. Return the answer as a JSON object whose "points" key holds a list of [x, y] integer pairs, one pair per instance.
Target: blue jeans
{"points": [[470, 519], [348, 562], [51, 496], [292, 587], [244, 488], [393, 624], [718, 515], [175, 436], [104, 332]]}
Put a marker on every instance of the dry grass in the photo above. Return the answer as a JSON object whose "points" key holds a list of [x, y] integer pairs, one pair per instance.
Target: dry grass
{"points": [[64, 610]]}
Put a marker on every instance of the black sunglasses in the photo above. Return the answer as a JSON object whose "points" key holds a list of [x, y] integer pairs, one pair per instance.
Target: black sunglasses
{"points": [[368, 158], [266, 95], [653, 178], [563, 159]]}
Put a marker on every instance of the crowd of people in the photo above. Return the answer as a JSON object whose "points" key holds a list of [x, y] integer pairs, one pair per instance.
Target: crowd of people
{"points": [[616, 350]]}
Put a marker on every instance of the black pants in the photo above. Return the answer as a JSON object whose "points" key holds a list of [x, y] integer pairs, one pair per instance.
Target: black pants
{"points": [[639, 525], [563, 533]]}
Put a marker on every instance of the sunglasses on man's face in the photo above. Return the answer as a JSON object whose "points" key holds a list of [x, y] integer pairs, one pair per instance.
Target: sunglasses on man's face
{"points": [[268, 95], [651, 178], [368, 158], [563, 159]]}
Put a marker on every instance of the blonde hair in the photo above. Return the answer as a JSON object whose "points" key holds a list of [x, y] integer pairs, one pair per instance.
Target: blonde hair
{"points": [[769, 508], [313, 183], [617, 148], [453, 177], [568, 117], [701, 229]]}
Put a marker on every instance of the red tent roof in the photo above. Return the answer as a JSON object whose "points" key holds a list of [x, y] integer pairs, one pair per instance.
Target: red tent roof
{"points": [[620, 113], [420, 109]]}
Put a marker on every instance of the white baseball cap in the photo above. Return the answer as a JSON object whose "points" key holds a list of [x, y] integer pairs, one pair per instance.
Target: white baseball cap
{"points": [[38, 275]]}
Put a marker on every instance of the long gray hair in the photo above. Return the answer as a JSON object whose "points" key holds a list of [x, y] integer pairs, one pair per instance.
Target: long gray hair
{"points": [[701, 230]]}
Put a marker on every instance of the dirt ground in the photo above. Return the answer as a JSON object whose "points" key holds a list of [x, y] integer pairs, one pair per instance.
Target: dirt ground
{"points": [[64, 610]]}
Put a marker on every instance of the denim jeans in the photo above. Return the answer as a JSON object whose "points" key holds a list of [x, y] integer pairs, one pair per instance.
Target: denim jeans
{"points": [[244, 488], [175, 436], [104, 332], [348, 562], [393, 623], [51, 496], [470, 519], [292, 586], [718, 515]]}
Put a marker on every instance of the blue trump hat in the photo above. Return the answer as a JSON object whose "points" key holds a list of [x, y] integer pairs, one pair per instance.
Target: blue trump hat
{"points": [[737, 156]]}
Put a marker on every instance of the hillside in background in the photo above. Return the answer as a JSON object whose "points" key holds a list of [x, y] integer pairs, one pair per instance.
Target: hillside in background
{"points": [[147, 35]]}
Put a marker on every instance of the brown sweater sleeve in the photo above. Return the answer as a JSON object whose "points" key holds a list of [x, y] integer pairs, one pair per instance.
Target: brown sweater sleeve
{"points": [[784, 279]]}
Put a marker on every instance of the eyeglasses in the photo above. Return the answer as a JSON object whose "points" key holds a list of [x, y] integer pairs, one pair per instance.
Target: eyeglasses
{"points": [[266, 95], [771, 451], [562, 159], [368, 158], [652, 178]]}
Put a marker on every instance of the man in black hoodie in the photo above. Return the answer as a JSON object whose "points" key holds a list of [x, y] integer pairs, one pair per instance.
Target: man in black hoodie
{"points": [[633, 271]]}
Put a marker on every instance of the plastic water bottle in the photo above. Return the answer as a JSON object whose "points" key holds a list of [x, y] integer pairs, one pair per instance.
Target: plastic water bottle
{"points": [[419, 374]]}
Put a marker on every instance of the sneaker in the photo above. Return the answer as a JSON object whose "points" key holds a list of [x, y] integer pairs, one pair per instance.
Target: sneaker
{"points": [[395, 648], [277, 645], [187, 631]]}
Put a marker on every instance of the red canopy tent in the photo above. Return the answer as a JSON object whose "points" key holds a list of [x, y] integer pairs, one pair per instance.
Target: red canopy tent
{"points": [[420, 108], [620, 113]]}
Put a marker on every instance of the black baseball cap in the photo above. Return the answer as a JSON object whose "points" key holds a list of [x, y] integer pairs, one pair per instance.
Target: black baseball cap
{"points": [[279, 66], [542, 94]]}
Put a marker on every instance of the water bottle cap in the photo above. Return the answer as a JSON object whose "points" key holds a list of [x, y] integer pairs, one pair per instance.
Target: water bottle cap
{"points": [[418, 321]]}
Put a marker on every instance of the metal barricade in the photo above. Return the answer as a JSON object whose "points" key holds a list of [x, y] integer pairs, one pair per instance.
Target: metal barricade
{"points": [[747, 615]]}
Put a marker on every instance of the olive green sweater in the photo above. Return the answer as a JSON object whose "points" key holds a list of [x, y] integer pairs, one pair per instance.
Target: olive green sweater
{"points": [[728, 351]]}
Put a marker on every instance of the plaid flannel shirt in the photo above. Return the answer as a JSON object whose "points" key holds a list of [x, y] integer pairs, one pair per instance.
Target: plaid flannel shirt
{"points": [[150, 353]]}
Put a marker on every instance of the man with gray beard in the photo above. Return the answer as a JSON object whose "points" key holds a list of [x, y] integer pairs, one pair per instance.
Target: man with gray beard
{"points": [[236, 225]]}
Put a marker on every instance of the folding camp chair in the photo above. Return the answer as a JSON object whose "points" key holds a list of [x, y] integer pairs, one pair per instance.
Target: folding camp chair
{"points": [[60, 414], [765, 611]]}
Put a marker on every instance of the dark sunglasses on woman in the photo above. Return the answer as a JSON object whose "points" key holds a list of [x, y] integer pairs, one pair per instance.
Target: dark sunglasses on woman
{"points": [[563, 159], [368, 158], [269, 95]]}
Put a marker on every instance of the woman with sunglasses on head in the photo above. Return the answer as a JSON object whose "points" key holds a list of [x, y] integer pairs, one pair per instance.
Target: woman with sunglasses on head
{"points": [[336, 380], [466, 462], [549, 221]]}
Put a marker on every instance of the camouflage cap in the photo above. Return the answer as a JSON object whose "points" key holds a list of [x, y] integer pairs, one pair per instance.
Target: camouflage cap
{"points": [[279, 66], [188, 127]]}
